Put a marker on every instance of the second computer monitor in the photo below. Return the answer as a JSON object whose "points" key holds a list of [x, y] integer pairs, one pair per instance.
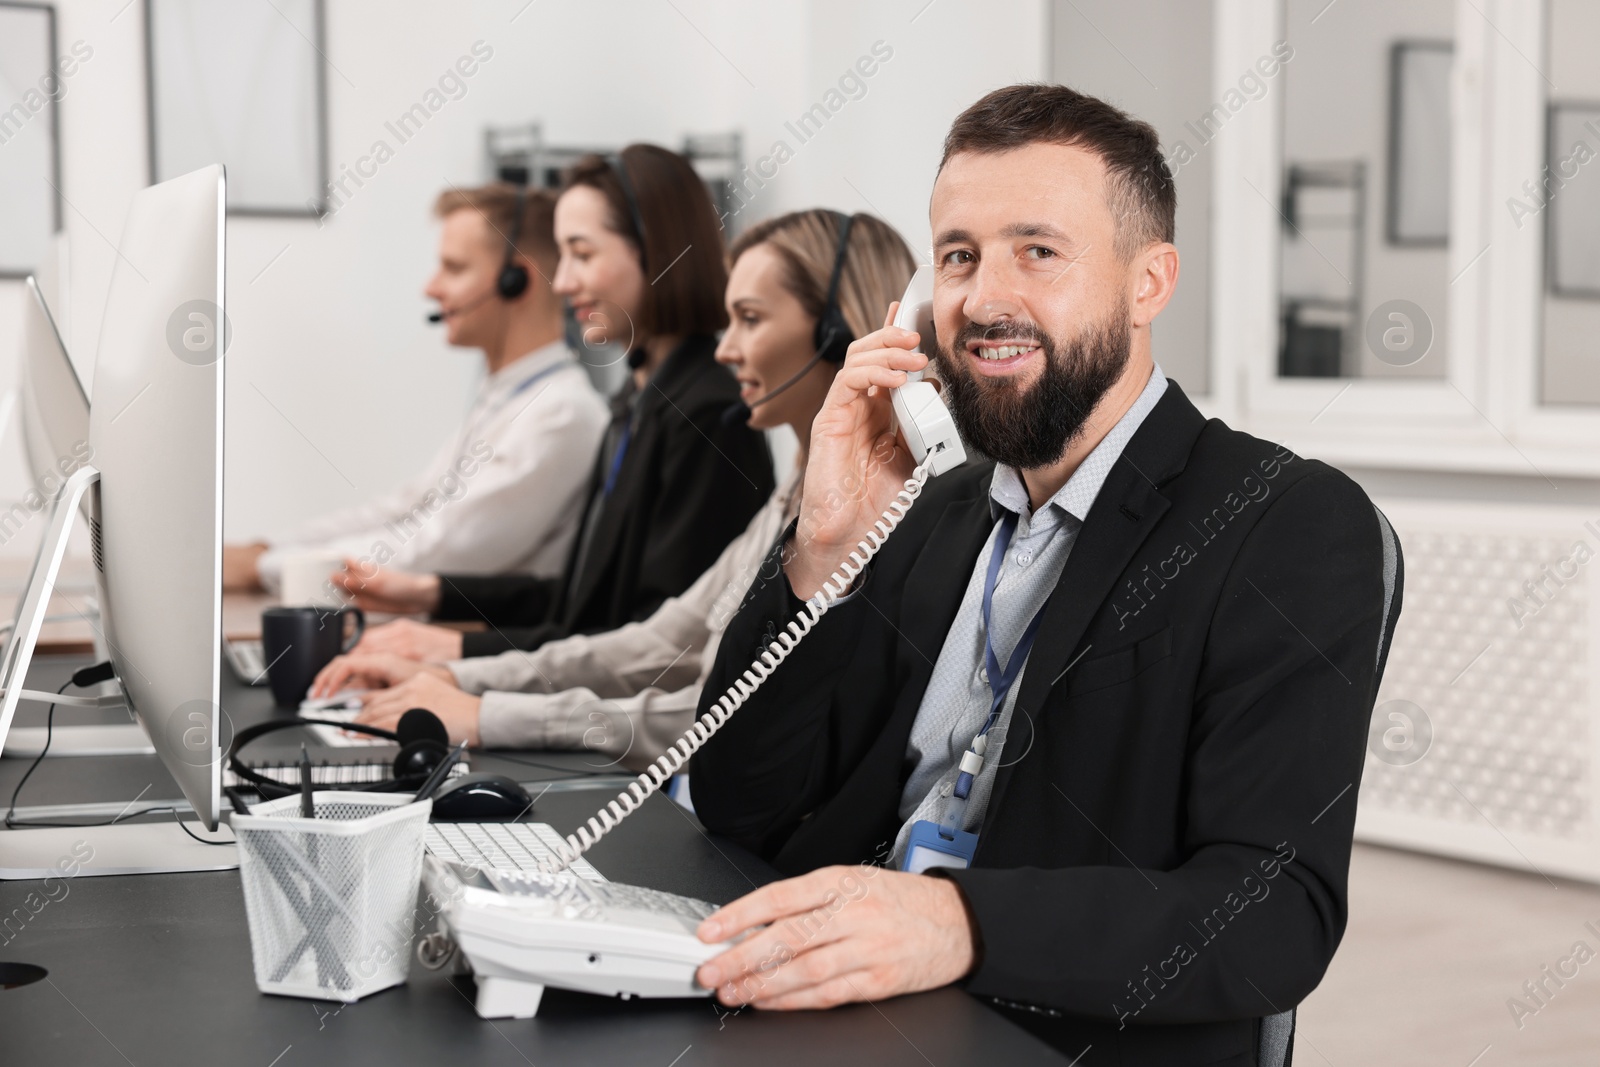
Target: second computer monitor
{"points": [[51, 399]]}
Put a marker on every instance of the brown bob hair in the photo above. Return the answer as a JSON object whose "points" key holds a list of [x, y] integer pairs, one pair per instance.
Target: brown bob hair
{"points": [[681, 246]]}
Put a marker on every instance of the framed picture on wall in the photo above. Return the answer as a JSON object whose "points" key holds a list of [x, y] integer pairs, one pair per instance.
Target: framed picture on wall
{"points": [[244, 85], [1419, 143], [31, 81], [1572, 211]]}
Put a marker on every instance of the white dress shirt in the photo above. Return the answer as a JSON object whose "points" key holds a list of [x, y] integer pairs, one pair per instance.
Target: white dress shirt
{"points": [[628, 693], [503, 495]]}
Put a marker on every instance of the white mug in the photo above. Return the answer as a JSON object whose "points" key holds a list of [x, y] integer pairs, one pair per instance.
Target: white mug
{"points": [[305, 580]]}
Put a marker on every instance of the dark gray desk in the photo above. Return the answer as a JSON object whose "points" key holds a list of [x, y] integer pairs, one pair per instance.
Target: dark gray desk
{"points": [[156, 968]]}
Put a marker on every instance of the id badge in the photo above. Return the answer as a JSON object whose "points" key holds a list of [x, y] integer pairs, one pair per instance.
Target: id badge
{"points": [[928, 848]]}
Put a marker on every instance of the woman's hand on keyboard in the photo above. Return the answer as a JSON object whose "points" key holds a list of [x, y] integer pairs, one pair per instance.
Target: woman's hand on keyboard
{"points": [[457, 710], [371, 671]]}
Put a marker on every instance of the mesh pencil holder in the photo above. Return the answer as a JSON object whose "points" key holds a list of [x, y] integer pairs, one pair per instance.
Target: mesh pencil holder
{"points": [[332, 900]]}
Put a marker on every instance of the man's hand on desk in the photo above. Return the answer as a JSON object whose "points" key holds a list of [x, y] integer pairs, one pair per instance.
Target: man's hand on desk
{"points": [[412, 640], [239, 574], [457, 710], [839, 934], [396, 592], [360, 670]]}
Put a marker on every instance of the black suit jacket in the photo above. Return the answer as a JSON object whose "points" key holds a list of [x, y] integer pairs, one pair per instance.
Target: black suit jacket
{"points": [[688, 485], [1170, 830]]}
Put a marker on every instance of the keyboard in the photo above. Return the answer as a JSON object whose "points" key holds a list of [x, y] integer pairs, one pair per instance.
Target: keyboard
{"points": [[248, 661], [503, 846]]}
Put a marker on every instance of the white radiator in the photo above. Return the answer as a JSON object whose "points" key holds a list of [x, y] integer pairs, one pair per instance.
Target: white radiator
{"points": [[1485, 741]]}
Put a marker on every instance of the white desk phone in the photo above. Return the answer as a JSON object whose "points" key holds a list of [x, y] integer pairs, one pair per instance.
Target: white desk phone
{"points": [[523, 930]]}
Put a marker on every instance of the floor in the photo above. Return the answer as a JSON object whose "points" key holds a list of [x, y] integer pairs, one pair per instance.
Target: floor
{"points": [[1434, 951]]}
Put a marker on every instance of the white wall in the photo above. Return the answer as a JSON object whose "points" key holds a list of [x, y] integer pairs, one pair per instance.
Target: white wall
{"points": [[336, 388]]}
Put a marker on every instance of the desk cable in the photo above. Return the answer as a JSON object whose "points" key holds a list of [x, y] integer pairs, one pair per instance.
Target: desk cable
{"points": [[82, 679]]}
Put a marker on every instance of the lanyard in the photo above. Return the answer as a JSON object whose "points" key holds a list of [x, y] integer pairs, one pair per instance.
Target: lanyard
{"points": [[617, 456], [1000, 679], [516, 391]]}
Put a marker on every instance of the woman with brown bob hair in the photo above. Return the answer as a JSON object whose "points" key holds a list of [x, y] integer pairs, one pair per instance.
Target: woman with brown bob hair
{"points": [[641, 266]]}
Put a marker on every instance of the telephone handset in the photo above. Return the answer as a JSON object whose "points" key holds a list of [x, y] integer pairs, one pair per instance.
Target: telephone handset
{"points": [[928, 430], [930, 434]]}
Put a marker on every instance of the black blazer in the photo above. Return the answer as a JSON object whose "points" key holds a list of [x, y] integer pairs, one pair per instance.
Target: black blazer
{"points": [[1170, 830], [688, 485]]}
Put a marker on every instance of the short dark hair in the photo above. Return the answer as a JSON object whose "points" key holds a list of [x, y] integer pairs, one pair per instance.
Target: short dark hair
{"points": [[1139, 188], [681, 246], [536, 237]]}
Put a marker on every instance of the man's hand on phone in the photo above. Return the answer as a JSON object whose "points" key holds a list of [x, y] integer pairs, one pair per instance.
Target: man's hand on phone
{"points": [[866, 934], [857, 462]]}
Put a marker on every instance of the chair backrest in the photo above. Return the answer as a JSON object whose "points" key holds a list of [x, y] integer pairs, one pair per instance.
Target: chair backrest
{"points": [[1275, 1034]]}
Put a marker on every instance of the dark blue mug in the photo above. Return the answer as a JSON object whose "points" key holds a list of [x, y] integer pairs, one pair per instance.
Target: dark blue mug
{"points": [[299, 642]]}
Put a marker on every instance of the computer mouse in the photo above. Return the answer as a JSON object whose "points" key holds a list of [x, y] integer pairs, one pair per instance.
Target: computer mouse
{"points": [[481, 798]]}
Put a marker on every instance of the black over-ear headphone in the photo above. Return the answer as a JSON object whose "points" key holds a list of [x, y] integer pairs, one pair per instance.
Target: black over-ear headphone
{"points": [[512, 281], [614, 161], [830, 338], [832, 335], [423, 740]]}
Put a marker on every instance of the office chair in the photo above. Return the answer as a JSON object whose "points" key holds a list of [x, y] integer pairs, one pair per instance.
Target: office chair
{"points": [[1275, 1033]]}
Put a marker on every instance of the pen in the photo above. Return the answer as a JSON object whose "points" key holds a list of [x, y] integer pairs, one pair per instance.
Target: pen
{"points": [[307, 810]]}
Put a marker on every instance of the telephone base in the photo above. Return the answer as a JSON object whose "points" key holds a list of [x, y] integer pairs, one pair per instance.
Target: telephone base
{"points": [[507, 998]]}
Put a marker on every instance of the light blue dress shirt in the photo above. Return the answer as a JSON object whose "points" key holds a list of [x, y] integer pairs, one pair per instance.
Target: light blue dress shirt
{"points": [[957, 699]]}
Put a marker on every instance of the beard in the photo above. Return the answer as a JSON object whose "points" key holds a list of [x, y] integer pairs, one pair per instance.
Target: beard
{"points": [[1031, 426]]}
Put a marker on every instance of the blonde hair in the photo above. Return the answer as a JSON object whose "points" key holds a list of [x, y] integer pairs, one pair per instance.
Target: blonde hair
{"points": [[877, 262], [497, 203]]}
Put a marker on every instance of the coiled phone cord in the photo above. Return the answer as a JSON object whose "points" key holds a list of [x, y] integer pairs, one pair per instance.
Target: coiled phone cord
{"points": [[699, 732]]}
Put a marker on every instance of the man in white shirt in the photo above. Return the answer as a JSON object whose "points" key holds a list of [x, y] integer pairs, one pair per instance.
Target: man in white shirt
{"points": [[505, 493]]}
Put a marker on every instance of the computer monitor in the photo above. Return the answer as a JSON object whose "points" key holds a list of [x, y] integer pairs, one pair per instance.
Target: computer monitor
{"points": [[54, 410], [155, 426], [53, 403]]}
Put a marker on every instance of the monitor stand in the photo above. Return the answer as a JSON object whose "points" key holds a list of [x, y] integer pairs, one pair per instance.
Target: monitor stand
{"points": [[80, 739], [124, 848], [159, 847]]}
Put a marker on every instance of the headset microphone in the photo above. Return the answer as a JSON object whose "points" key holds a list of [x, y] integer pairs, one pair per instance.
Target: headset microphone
{"points": [[439, 316], [831, 337], [739, 412]]}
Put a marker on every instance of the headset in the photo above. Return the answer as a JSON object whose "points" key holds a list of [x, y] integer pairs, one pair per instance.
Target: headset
{"points": [[614, 161], [424, 744], [830, 338], [512, 280]]}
